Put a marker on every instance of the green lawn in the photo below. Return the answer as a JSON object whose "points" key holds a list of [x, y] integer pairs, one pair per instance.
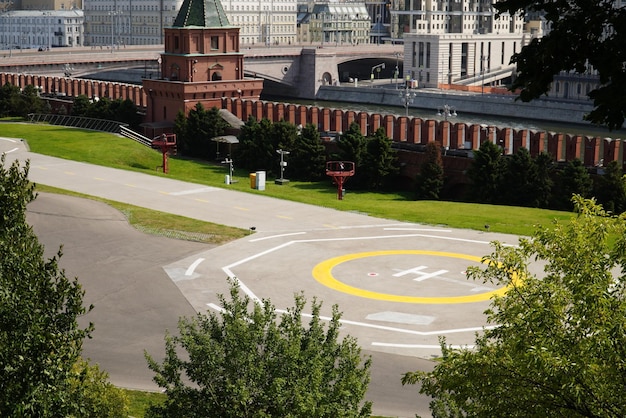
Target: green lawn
{"points": [[113, 151]]}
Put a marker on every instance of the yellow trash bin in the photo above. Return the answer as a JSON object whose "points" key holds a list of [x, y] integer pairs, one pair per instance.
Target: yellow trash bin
{"points": [[253, 180]]}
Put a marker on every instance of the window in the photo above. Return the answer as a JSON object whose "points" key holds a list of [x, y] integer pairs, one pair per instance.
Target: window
{"points": [[215, 42]]}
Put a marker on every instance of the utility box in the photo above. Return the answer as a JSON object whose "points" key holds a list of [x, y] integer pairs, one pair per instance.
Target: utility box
{"points": [[260, 180], [253, 180]]}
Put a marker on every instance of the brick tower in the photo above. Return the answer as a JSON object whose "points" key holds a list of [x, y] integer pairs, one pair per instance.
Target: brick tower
{"points": [[201, 63]]}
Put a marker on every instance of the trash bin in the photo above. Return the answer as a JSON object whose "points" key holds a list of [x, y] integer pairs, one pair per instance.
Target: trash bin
{"points": [[227, 179], [253, 180], [260, 180]]}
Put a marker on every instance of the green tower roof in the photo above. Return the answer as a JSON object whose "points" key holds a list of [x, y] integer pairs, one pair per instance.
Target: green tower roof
{"points": [[201, 13]]}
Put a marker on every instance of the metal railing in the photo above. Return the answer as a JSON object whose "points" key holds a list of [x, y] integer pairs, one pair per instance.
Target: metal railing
{"points": [[77, 122]]}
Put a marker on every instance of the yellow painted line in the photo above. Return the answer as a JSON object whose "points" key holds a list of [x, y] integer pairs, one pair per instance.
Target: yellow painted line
{"points": [[70, 173], [202, 200], [323, 274], [98, 178], [167, 193], [330, 226], [240, 208], [130, 185], [42, 168], [284, 217]]}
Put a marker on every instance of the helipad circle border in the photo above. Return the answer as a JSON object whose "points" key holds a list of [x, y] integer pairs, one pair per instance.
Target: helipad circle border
{"points": [[322, 272]]}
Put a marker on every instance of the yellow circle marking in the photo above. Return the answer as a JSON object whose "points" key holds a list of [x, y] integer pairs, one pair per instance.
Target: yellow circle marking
{"points": [[323, 274]]}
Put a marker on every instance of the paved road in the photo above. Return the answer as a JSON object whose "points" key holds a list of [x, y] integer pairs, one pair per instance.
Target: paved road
{"points": [[399, 285]]}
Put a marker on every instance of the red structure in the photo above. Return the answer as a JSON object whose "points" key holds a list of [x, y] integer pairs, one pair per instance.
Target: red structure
{"points": [[340, 171], [201, 64], [167, 144]]}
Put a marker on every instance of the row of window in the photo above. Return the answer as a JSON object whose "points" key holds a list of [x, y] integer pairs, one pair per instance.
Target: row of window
{"points": [[256, 8], [143, 30], [262, 18]]}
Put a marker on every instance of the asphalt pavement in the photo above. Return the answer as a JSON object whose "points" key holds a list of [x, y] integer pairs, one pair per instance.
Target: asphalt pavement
{"points": [[399, 285]]}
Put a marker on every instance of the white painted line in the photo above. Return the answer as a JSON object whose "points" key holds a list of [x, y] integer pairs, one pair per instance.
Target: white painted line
{"points": [[428, 346], [10, 151], [193, 266], [215, 307], [243, 287], [400, 330], [9, 139], [277, 236], [417, 229], [194, 191]]}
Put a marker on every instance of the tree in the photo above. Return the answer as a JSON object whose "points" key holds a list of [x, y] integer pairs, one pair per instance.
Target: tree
{"points": [[430, 179], [201, 126], [284, 135], [485, 173], [257, 148], [610, 188], [519, 180], [379, 160], [558, 347], [10, 100], [245, 363], [352, 146], [572, 179], [308, 157], [41, 374], [584, 36], [81, 105]]}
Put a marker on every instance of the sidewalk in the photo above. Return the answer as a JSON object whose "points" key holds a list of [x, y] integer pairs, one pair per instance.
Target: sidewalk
{"points": [[211, 204]]}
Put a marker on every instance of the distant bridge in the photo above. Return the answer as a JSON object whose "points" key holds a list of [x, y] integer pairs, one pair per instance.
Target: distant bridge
{"points": [[298, 71]]}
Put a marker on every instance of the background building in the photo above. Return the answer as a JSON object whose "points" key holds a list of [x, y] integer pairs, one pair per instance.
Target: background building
{"points": [[24, 29], [264, 22], [116, 23], [336, 24]]}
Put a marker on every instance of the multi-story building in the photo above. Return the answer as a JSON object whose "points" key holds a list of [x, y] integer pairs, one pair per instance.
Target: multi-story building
{"points": [[263, 22], [24, 29], [49, 5], [115, 23], [336, 24], [456, 42]]}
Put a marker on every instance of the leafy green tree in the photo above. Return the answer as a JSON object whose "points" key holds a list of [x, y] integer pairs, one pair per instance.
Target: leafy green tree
{"points": [[430, 179], [380, 162], [101, 109], [485, 173], [201, 126], [81, 106], [9, 95], [572, 179], [558, 347], [29, 102], [584, 36], [92, 394], [256, 149], [125, 111], [284, 136], [610, 188], [245, 362], [519, 179], [543, 182], [307, 160], [41, 374], [352, 146]]}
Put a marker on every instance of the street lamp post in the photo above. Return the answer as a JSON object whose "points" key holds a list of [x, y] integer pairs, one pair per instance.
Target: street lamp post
{"points": [[397, 72], [407, 96], [283, 164], [446, 111], [483, 58]]}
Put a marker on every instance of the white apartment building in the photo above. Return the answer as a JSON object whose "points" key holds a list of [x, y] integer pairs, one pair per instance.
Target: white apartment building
{"points": [[116, 23], [457, 42], [264, 22], [26, 29]]}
